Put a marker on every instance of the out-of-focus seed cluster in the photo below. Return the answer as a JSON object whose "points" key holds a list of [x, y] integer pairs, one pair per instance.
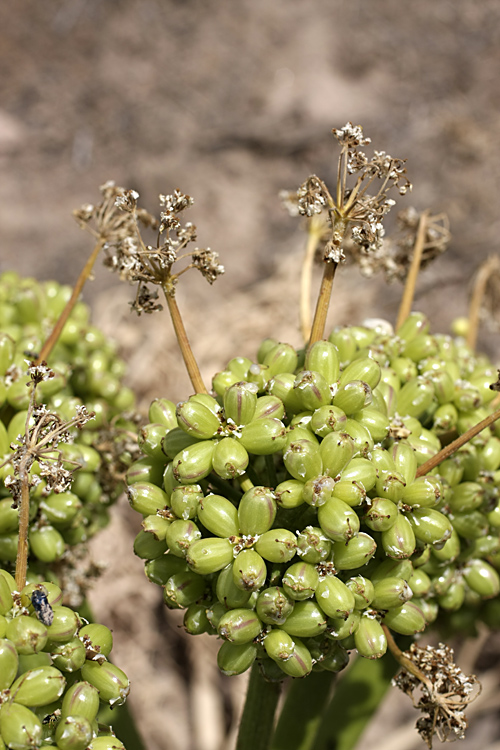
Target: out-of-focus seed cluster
{"points": [[54, 672], [86, 371], [285, 514]]}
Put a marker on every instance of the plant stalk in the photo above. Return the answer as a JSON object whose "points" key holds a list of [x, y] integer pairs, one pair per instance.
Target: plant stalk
{"points": [[302, 712], [491, 265], [185, 347], [24, 520], [305, 279], [411, 279], [257, 721], [323, 303], [56, 331]]}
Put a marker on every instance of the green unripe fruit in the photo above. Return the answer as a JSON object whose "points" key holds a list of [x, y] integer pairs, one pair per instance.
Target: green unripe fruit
{"points": [[7, 352], [209, 555], [61, 509], [344, 342], [281, 358], [230, 459], [70, 656], [399, 541], [239, 626], [318, 490], [423, 492], [289, 494], [33, 661], [362, 589], [306, 621], [353, 396], [106, 743], [274, 606], [312, 545], [81, 699], [405, 368], [27, 634], [185, 500], [336, 659], [300, 663], [279, 645], [98, 636], [162, 411], [147, 547], [453, 598], [429, 525], [445, 419], [111, 682], [219, 516], [339, 629], [65, 625], [73, 733], [490, 454], [239, 402], [327, 419], [281, 386], [9, 662], [365, 369], [233, 658], [338, 520], [224, 380], [46, 543], [264, 436], [183, 589], [421, 347], [20, 729], [196, 620], [363, 441], [470, 525], [355, 553], [415, 397], [162, 568], [369, 638], [352, 493], [322, 357], [249, 570], [334, 597], [390, 485], [415, 324], [150, 440], [38, 687], [257, 374], [392, 568], [466, 496], [197, 420], [407, 619], [8, 547], [300, 581], [156, 526], [239, 366], [374, 421], [257, 510], [381, 514], [5, 596], [420, 583], [302, 459], [277, 545], [312, 389], [9, 516], [360, 470], [405, 460], [228, 593], [180, 536], [482, 578], [177, 440], [391, 592], [467, 397], [337, 450], [268, 407], [194, 462]]}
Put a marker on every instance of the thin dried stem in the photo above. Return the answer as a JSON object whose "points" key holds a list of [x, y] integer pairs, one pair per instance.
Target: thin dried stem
{"points": [[450, 449], [306, 278], [318, 326], [403, 660], [411, 280], [56, 331], [24, 506], [491, 265], [185, 347]]}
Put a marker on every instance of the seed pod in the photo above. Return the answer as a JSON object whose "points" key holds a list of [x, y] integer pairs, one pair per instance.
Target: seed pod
{"points": [[233, 658], [322, 357], [194, 462], [162, 411], [334, 597], [312, 390], [257, 510], [369, 638], [482, 578], [490, 454], [337, 450], [303, 460], [27, 634], [228, 593], [239, 626], [339, 629], [144, 470], [64, 626], [466, 496], [111, 682], [306, 620], [257, 374], [197, 420], [106, 742], [300, 581], [319, 490], [399, 541], [277, 545], [312, 545], [230, 459], [353, 396], [405, 460], [219, 516], [224, 380], [179, 536], [453, 598], [470, 525], [299, 430], [363, 441], [327, 419], [281, 358], [38, 687], [390, 485], [373, 420], [365, 369], [362, 590], [300, 663], [362, 471], [61, 509], [156, 526], [352, 493], [420, 583], [147, 547], [214, 613], [209, 555], [8, 547], [405, 368], [81, 699], [429, 525], [268, 407], [392, 568], [46, 543], [421, 347], [162, 568], [274, 606], [73, 733], [263, 437], [70, 656], [9, 662], [381, 514], [239, 402], [415, 397], [390, 376], [249, 570], [183, 589], [338, 520], [281, 386], [289, 494], [336, 659], [494, 517], [177, 440], [355, 553], [195, 620], [20, 729], [451, 471], [279, 645], [445, 419], [5, 596], [345, 343], [391, 592], [415, 324], [9, 516], [185, 500], [407, 619], [424, 492], [467, 397]]}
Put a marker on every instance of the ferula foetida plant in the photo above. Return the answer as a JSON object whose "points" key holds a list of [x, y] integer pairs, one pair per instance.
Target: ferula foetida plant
{"points": [[322, 504]]}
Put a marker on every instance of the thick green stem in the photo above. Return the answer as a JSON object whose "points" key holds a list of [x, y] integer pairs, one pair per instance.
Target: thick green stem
{"points": [[257, 721], [302, 712], [56, 331]]}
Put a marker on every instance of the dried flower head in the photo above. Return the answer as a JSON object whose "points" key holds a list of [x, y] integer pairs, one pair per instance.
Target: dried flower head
{"points": [[443, 691]]}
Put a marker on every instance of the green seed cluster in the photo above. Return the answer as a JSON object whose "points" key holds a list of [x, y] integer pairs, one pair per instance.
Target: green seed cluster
{"points": [[285, 513], [87, 371], [54, 674]]}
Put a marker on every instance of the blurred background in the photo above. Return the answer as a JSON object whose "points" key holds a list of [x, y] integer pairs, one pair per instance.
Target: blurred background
{"points": [[232, 102]]}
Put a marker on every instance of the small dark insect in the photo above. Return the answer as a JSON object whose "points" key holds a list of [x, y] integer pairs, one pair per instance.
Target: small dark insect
{"points": [[42, 608], [52, 718]]}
